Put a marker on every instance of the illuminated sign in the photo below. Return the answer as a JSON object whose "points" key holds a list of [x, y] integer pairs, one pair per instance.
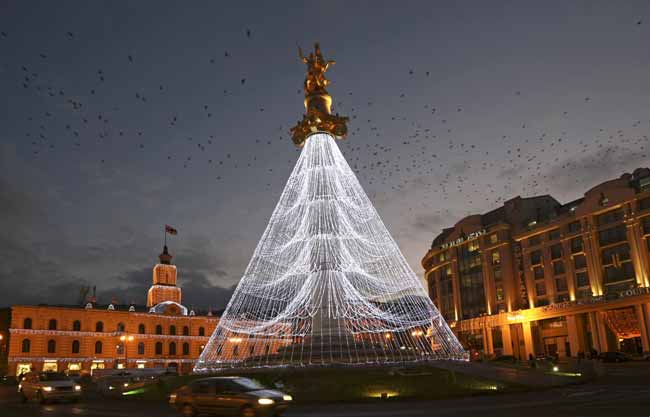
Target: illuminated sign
{"points": [[463, 239]]}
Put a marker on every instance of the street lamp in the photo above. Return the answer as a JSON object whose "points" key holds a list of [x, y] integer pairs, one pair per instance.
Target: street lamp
{"points": [[125, 338]]}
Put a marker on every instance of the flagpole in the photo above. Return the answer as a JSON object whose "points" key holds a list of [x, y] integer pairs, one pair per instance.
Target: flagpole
{"points": [[165, 229]]}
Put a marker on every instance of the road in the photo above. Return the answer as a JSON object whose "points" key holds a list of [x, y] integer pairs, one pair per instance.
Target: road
{"points": [[623, 392]]}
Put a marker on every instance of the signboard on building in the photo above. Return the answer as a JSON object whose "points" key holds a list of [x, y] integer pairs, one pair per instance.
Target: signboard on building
{"points": [[463, 239]]}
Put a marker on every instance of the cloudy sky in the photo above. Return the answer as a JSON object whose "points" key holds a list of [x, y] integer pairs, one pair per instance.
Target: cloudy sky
{"points": [[120, 117]]}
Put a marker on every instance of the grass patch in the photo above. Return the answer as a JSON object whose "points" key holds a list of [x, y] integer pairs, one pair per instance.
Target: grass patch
{"points": [[355, 384]]}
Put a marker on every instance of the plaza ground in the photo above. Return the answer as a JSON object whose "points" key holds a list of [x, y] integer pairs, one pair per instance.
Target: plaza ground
{"points": [[623, 391]]}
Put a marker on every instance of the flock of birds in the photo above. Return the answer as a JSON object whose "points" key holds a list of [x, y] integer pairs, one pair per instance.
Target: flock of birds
{"points": [[427, 156]]}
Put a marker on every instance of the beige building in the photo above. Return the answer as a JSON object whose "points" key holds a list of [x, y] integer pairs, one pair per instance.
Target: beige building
{"points": [[543, 278], [88, 337]]}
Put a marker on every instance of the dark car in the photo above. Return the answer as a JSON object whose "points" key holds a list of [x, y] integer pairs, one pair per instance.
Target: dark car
{"points": [[613, 357], [229, 396]]}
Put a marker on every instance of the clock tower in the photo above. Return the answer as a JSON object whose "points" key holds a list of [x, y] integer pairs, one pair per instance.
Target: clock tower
{"points": [[164, 282]]}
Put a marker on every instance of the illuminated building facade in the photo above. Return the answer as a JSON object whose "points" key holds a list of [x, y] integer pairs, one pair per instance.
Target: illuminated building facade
{"points": [[83, 338], [538, 277]]}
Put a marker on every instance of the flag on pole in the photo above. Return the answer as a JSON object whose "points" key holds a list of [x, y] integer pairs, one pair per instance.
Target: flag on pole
{"points": [[170, 230]]}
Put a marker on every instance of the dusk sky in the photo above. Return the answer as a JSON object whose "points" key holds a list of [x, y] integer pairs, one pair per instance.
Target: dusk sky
{"points": [[118, 118]]}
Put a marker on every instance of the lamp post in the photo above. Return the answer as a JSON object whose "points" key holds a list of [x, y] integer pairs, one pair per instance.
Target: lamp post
{"points": [[123, 339]]}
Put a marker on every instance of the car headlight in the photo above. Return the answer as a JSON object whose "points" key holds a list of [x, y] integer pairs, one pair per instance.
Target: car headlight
{"points": [[287, 397], [47, 389], [265, 401], [126, 384], [77, 387], [111, 387]]}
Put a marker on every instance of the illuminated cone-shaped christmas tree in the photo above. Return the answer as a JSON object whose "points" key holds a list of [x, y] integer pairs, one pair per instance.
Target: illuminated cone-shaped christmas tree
{"points": [[327, 284]]}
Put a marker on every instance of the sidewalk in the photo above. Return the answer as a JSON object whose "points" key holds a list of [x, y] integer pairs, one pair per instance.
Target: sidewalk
{"points": [[524, 375]]}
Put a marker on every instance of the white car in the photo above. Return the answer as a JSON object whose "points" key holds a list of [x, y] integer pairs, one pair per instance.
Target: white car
{"points": [[43, 386]]}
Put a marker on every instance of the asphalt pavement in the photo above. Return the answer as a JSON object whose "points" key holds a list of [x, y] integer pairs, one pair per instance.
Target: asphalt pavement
{"points": [[624, 391]]}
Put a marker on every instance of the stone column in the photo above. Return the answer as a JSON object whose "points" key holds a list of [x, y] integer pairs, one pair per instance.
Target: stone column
{"points": [[489, 342], [528, 339], [595, 334], [568, 269], [575, 339], [638, 253], [488, 281], [602, 332], [643, 325], [506, 337], [592, 255]]}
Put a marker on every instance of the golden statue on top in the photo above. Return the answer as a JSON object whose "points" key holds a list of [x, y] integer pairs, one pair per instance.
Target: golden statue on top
{"points": [[318, 102]]}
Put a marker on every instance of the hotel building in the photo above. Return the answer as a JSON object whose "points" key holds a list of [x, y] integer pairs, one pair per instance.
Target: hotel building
{"points": [[538, 277], [87, 337]]}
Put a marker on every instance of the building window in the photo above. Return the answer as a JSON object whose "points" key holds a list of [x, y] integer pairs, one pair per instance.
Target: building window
{"points": [[51, 346], [554, 234], [141, 348], [99, 327], [470, 277], [172, 348], [26, 346], [186, 348], [235, 351], [610, 217], [98, 347], [496, 257], [75, 346], [540, 289], [534, 240], [201, 331], [612, 235], [141, 328], [172, 330], [538, 272], [158, 348], [442, 257], [158, 329], [574, 227], [558, 268], [536, 257], [576, 244], [556, 251], [186, 331], [579, 262], [76, 326], [494, 238], [52, 324], [120, 327], [582, 279], [446, 300], [473, 246], [560, 284], [618, 268], [27, 323], [644, 204]]}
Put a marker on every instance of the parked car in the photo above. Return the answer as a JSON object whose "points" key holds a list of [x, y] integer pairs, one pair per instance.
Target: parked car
{"points": [[232, 396], [43, 386], [613, 357], [119, 383]]}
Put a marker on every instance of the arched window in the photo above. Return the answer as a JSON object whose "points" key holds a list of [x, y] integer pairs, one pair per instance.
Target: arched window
{"points": [[186, 348], [98, 347], [120, 348], [52, 325], [235, 351], [51, 346], [26, 345], [158, 329], [158, 348], [76, 326], [186, 331], [75, 346], [141, 348], [201, 331], [141, 328], [27, 323], [99, 326], [172, 348], [172, 330], [120, 327]]}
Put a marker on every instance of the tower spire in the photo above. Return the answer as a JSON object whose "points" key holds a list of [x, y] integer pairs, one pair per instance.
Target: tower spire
{"points": [[318, 102]]}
